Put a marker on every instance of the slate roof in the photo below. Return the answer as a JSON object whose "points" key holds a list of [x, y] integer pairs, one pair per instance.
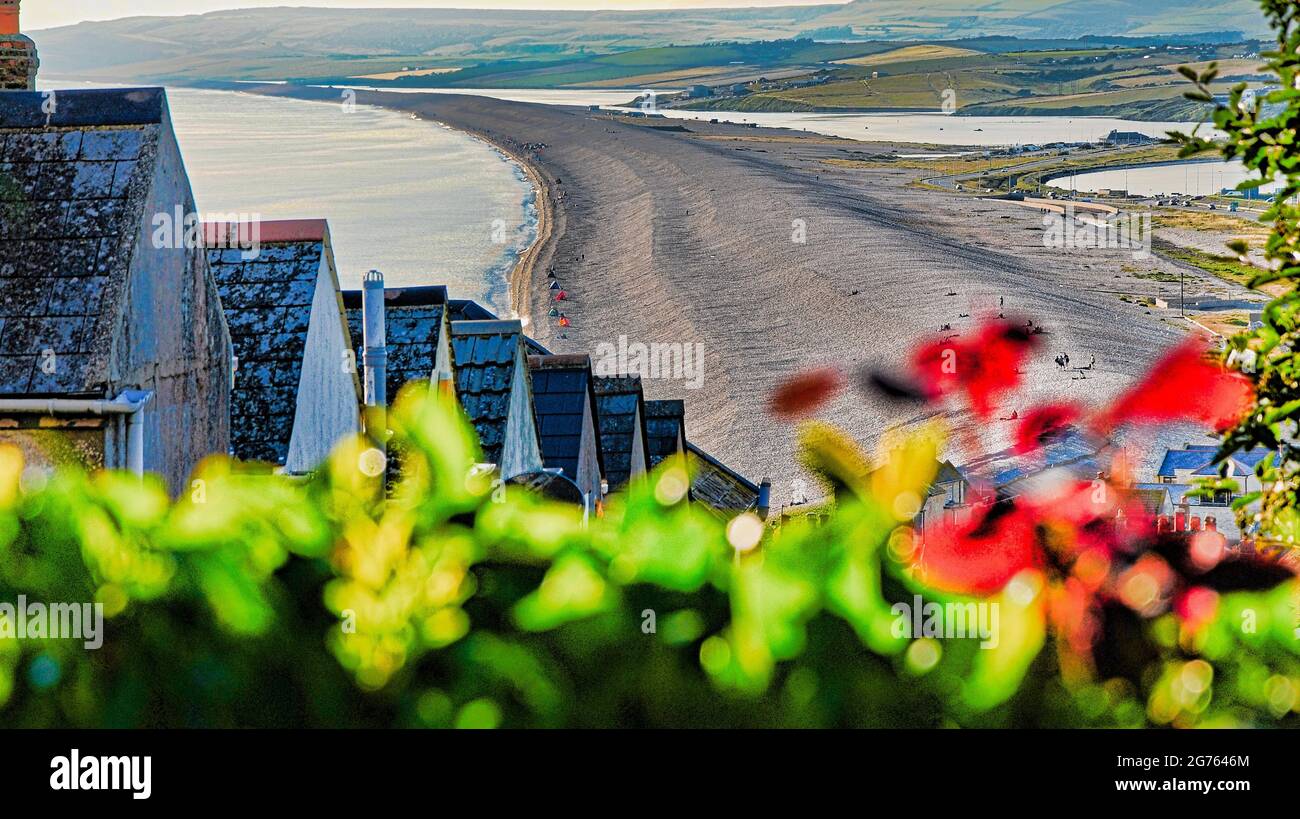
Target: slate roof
{"points": [[1249, 460], [73, 187], [412, 324], [267, 301], [948, 474], [618, 399], [485, 354], [1193, 457], [562, 390], [1200, 460], [719, 488], [1152, 498], [665, 423], [1177, 491], [470, 310]]}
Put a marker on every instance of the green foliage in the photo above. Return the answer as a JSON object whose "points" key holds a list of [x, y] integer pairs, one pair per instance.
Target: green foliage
{"points": [[259, 600], [1265, 141]]}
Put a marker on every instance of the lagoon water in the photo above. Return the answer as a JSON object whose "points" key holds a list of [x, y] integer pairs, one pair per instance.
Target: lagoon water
{"points": [[1186, 178], [937, 128], [419, 201]]}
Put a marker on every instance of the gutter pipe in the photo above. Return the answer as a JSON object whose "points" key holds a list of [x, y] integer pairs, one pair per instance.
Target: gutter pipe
{"points": [[129, 403]]}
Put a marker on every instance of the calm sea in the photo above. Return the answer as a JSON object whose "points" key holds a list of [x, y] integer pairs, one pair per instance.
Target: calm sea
{"points": [[423, 203]]}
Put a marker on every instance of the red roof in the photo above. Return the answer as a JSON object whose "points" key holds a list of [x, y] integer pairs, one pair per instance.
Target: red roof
{"points": [[267, 232]]}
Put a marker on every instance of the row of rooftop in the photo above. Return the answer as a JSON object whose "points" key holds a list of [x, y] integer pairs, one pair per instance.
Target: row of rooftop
{"points": [[136, 336]]}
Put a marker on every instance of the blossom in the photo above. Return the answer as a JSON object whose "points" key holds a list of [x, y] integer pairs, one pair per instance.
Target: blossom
{"points": [[981, 370]]}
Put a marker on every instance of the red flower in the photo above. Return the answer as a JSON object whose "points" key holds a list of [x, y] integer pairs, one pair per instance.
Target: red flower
{"points": [[982, 554], [1041, 425], [806, 392], [983, 368], [1183, 386]]}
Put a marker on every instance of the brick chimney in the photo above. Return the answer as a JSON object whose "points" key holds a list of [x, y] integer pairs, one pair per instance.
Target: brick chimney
{"points": [[18, 61], [9, 17]]}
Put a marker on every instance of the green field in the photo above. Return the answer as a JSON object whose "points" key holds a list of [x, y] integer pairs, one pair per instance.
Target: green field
{"points": [[903, 70], [1123, 82]]}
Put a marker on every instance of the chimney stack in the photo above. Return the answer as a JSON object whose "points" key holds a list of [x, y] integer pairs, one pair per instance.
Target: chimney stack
{"points": [[375, 340], [18, 60], [9, 17], [374, 356]]}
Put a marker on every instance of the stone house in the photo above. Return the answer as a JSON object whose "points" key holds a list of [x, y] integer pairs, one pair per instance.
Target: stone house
{"points": [[113, 328]]}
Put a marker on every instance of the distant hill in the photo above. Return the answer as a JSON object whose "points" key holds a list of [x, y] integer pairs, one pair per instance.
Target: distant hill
{"points": [[279, 43]]}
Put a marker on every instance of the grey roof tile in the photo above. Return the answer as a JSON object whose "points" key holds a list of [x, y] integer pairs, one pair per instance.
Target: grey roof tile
{"points": [[618, 400], [268, 309], [65, 367], [69, 215], [111, 145], [665, 427], [16, 373]]}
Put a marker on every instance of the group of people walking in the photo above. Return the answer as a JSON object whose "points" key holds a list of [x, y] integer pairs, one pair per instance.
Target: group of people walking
{"points": [[1063, 362]]}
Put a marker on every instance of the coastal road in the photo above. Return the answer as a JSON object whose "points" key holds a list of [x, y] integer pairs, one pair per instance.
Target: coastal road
{"points": [[774, 256]]}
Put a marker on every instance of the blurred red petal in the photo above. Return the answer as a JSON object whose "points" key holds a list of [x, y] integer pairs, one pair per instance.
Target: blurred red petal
{"points": [[1041, 425], [1077, 502], [981, 555], [1197, 606], [806, 392], [983, 368], [1184, 386]]}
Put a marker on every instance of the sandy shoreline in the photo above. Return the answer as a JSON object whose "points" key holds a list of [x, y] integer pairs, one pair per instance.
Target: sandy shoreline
{"points": [[537, 252], [752, 244], [535, 255]]}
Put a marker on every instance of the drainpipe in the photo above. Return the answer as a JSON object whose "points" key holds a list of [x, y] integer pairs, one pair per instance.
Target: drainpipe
{"points": [[130, 403], [375, 356]]}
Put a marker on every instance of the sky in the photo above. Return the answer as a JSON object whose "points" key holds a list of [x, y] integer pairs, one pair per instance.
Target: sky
{"points": [[38, 14]]}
